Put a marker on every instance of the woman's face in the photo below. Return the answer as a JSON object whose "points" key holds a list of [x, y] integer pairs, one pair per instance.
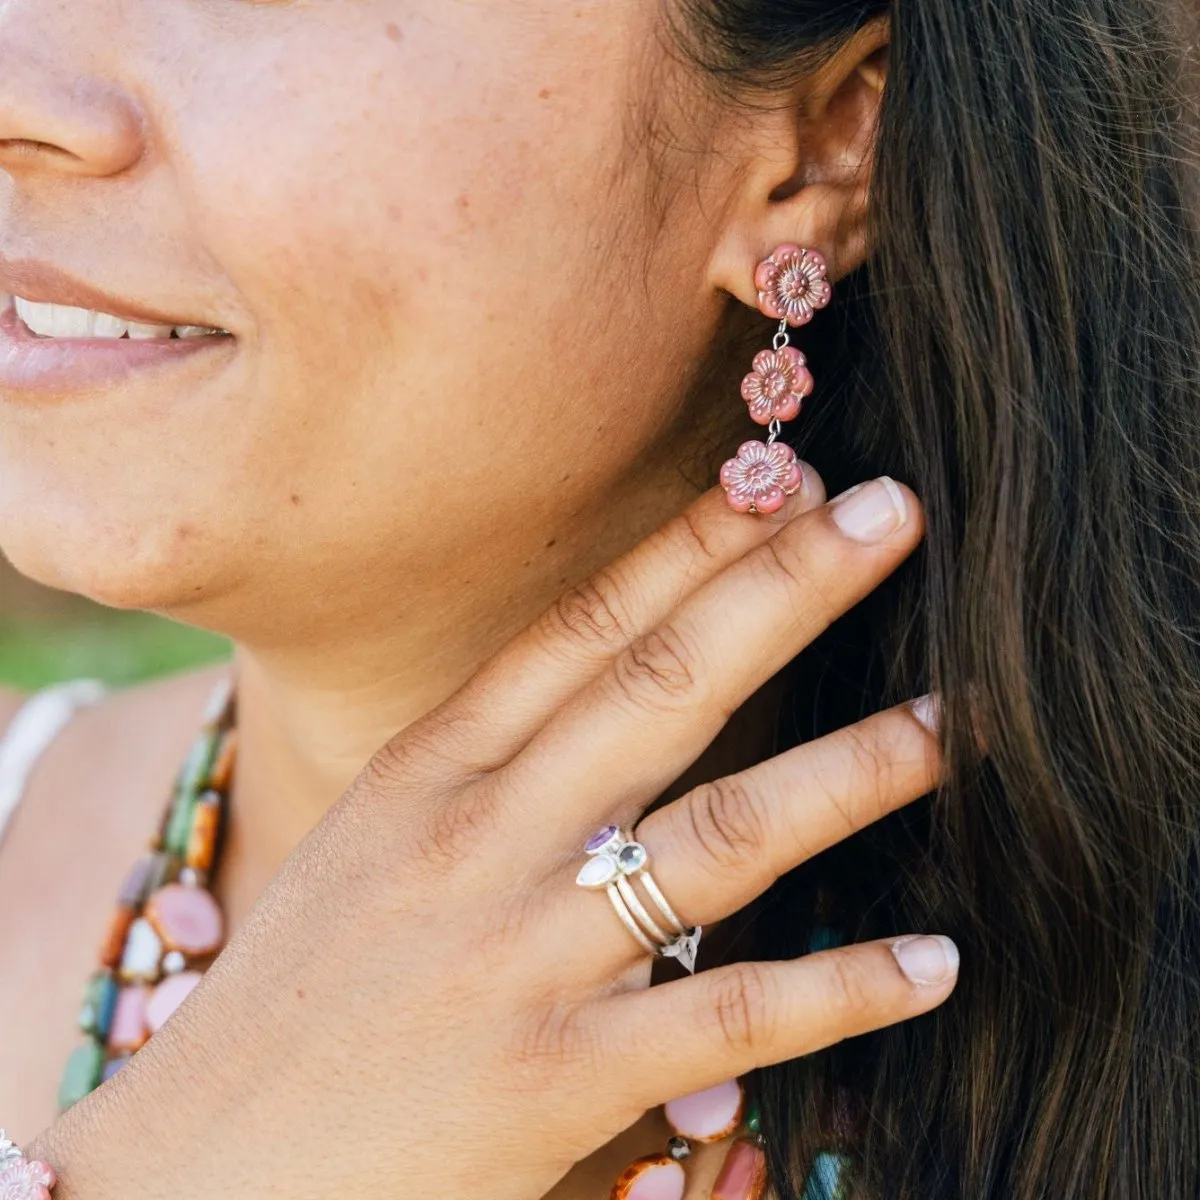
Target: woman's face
{"points": [[459, 324]]}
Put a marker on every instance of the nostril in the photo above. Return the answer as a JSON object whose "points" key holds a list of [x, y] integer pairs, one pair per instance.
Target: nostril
{"points": [[54, 119], [29, 146]]}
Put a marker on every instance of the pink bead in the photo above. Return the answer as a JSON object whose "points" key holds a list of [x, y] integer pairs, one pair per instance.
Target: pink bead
{"points": [[655, 1178], [792, 285], [761, 477], [22, 1180], [744, 1175], [168, 996], [707, 1116], [777, 385], [187, 919], [129, 1030]]}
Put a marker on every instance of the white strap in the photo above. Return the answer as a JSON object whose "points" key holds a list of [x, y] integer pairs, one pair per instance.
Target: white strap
{"points": [[38, 722]]}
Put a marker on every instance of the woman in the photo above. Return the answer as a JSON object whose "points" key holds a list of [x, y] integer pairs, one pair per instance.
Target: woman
{"points": [[462, 293]]}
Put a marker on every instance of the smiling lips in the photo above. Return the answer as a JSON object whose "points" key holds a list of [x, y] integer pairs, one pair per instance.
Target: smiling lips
{"points": [[48, 351], [65, 321]]}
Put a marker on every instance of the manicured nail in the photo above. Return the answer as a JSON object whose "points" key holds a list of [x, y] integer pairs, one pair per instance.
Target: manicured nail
{"points": [[928, 710], [927, 960], [871, 511]]}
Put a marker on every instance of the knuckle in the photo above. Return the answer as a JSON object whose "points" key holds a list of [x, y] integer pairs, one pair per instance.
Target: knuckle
{"points": [[871, 771], [455, 829], [692, 538], [554, 1036], [727, 823], [742, 1009], [810, 589], [391, 770], [657, 671], [854, 990], [433, 751], [591, 614]]}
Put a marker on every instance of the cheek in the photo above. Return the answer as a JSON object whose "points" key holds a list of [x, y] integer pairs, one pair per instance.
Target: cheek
{"points": [[427, 263], [448, 338]]}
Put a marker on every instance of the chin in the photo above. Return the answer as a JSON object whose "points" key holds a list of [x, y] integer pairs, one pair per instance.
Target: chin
{"points": [[120, 564]]}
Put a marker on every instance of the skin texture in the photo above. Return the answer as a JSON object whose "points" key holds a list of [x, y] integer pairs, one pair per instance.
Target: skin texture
{"points": [[525, 1010], [472, 285]]}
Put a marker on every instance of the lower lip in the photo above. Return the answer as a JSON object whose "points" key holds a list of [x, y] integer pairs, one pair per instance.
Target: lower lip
{"points": [[33, 367]]}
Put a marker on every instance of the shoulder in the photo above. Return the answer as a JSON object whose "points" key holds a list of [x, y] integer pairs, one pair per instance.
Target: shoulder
{"points": [[11, 702], [135, 733], [111, 765]]}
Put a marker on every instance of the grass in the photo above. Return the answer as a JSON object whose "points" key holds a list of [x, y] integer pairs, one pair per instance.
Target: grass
{"points": [[119, 648]]}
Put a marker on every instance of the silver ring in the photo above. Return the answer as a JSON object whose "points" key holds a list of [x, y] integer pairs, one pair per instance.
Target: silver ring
{"points": [[615, 861], [627, 920]]}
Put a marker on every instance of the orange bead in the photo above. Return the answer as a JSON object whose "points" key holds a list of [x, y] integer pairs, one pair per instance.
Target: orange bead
{"points": [[113, 945], [202, 841], [221, 775]]}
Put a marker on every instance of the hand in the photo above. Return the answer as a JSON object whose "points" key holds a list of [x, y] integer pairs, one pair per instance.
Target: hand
{"points": [[425, 1004]]}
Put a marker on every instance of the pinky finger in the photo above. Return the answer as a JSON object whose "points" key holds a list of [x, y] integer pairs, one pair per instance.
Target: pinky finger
{"points": [[733, 1019]]}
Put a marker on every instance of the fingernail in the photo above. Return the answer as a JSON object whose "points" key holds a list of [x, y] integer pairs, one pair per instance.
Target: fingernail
{"points": [[927, 960], [928, 710], [801, 499], [871, 511]]}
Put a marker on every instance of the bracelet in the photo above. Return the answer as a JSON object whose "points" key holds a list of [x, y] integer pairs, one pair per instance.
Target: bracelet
{"points": [[21, 1179]]}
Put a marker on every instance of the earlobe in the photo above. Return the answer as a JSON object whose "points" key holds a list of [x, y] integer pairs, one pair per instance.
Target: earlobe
{"points": [[820, 200], [828, 218]]}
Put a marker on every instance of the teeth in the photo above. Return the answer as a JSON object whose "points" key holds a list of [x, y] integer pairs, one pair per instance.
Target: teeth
{"points": [[104, 326], [63, 321], [145, 333]]}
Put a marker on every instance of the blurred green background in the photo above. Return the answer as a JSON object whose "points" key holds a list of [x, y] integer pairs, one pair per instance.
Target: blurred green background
{"points": [[48, 636]]}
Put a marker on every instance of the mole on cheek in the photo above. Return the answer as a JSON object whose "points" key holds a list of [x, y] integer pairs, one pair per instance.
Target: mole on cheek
{"points": [[394, 32]]}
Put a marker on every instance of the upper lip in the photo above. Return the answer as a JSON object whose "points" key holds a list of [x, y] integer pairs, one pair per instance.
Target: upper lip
{"points": [[44, 283]]}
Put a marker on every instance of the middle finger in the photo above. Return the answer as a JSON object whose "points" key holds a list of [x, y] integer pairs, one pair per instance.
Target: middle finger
{"points": [[624, 739]]}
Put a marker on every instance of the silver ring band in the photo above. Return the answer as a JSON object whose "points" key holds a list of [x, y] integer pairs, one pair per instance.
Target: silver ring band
{"points": [[627, 920], [655, 893], [635, 905]]}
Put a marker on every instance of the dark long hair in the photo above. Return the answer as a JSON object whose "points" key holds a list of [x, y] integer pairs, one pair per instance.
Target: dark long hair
{"points": [[1023, 350]]}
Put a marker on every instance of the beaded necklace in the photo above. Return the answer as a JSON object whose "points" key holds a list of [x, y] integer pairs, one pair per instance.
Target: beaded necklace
{"points": [[168, 928]]}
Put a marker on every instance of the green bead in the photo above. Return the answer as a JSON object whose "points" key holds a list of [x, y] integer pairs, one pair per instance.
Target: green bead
{"points": [[99, 1001], [196, 767], [82, 1075], [754, 1118], [179, 826]]}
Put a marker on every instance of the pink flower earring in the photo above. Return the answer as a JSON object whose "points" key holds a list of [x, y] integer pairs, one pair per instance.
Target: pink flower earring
{"points": [[791, 286]]}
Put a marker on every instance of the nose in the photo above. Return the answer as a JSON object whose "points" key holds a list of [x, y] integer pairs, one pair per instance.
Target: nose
{"points": [[55, 116]]}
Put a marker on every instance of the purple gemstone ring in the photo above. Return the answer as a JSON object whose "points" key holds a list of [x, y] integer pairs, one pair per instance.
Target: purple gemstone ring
{"points": [[615, 862]]}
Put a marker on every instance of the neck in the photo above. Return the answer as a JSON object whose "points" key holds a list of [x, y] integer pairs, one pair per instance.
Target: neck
{"points": [[315, 703]]}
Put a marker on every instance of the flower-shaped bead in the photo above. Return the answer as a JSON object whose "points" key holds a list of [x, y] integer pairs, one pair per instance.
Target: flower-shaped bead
{"points": [[777, 385], [792, 285], [21, 1180], [761, 477]]}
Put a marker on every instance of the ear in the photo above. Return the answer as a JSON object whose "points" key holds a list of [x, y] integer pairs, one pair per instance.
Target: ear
{"points": [[806, 168]]}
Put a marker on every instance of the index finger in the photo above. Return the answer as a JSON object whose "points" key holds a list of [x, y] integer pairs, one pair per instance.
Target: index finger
{"points": [[589, 625]]}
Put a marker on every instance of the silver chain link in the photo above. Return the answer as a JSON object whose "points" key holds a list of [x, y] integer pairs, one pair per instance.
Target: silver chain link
{"points": [[775, 429], [781, 338]]}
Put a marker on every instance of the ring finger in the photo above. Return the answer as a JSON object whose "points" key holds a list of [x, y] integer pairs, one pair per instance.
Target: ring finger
{"points": [[718, 847]]}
